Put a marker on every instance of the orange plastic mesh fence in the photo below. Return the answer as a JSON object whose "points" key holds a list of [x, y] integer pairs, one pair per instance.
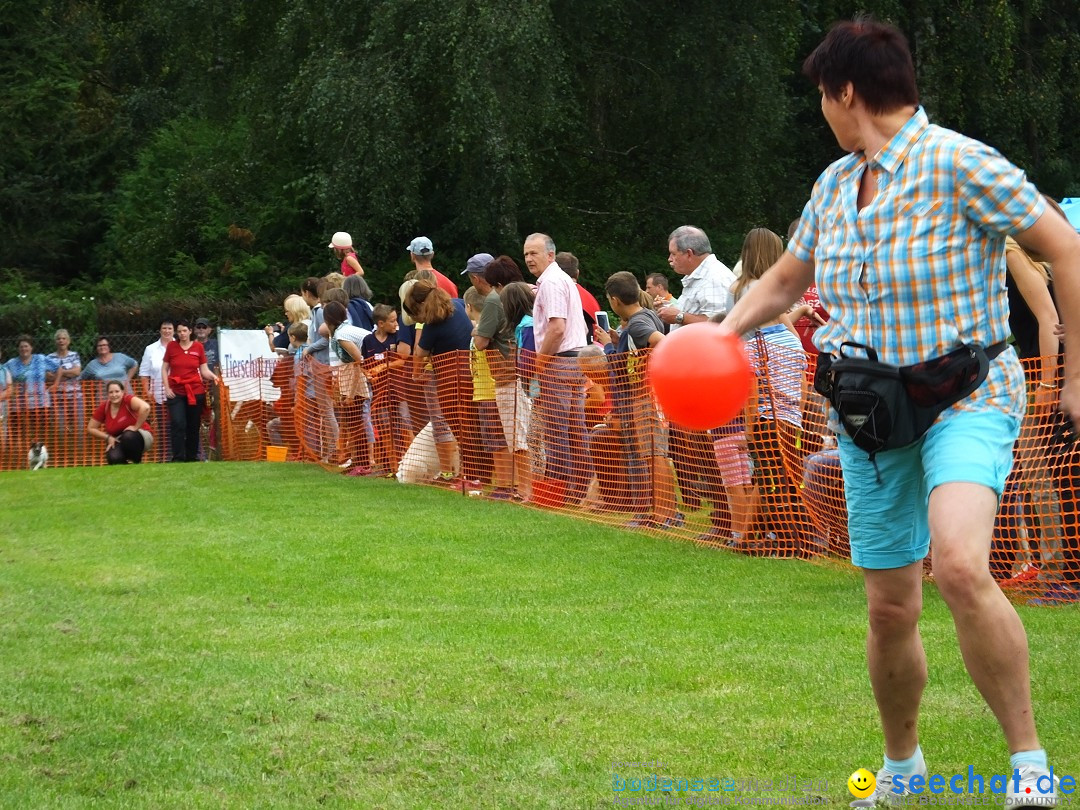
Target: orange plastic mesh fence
{"points": [[583, 435], [57, 419]]}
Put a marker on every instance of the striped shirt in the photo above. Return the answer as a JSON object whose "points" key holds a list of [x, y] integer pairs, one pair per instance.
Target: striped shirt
{"points": [[920, 269], [557, 297], [779, 363], [69, 360]]}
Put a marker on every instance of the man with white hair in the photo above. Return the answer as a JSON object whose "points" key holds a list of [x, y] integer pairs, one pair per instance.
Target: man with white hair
{"points": [[706, 282], [560, 335]]}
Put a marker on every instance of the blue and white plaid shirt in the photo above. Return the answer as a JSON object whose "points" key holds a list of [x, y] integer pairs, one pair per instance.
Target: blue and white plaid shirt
{"points": [[920, 269]]}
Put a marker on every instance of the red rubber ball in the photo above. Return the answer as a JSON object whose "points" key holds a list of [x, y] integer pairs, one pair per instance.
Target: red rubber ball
{"points": [[700, 376]]}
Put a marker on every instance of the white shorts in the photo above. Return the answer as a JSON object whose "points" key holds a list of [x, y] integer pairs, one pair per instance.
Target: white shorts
{"points": [[514, 410]]}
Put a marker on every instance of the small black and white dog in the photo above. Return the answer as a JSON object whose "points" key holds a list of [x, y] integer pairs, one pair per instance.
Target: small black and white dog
{"points": [[38, 457]]}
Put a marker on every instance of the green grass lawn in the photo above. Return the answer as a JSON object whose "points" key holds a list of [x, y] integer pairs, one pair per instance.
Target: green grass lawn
{"points": [[270, 635]]}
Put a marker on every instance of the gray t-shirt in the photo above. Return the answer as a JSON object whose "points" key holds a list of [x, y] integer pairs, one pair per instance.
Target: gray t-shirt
{"points": [[639, 329], [492, 324], [116, 369], [318, 347]]}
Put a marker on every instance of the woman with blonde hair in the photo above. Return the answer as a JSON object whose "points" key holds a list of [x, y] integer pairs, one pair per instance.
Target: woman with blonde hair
{"points": [[779, 363], [761, 250], [1033, 320], [421, 274], [296, 311]]}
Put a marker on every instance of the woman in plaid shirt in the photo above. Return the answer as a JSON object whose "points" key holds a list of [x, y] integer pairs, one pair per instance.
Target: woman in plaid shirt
{"points": [[905, 237]]}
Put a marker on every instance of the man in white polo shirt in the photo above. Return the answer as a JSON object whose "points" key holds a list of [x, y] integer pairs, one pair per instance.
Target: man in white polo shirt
{"points": [[559, 330], [706, 281], [707, 284], [154, 386]]}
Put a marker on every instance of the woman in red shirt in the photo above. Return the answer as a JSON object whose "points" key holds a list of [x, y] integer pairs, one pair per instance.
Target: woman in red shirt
{"points": [[121, 421], [183, 371]]}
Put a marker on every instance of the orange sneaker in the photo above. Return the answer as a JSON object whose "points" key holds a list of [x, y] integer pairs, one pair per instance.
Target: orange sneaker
{"points": [[1029, 572]]}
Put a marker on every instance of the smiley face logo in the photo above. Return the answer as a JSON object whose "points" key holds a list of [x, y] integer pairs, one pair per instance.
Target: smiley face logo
{"points": [[861, 783]]}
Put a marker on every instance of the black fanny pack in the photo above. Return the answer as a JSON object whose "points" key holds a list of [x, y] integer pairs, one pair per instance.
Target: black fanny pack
{"points": [[885, 407]]}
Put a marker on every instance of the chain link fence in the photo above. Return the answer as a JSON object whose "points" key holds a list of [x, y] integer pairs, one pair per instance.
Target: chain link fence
{"points": [[132, 344]]}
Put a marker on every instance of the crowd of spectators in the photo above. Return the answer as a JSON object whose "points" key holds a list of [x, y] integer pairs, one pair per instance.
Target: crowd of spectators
{"points": [[59, 397], [521, 395], [519, 390]]}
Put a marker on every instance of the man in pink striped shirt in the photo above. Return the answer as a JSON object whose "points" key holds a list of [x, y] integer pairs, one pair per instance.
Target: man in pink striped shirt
{"points": [[560, 334]]}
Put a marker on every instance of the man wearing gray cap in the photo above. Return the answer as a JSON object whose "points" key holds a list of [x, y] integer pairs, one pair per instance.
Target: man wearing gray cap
{"points": [[492, 336], [491, 331], [420, 251], [203, 334]]}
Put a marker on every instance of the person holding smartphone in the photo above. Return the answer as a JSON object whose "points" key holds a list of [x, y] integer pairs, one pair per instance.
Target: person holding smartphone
{"points": [[643, 432]]}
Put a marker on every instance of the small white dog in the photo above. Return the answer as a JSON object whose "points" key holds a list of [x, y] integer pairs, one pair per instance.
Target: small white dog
{"points": [[38, 457]]}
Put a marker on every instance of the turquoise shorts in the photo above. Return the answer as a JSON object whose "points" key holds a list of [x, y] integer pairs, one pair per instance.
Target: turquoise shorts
{"points": [[888, 520]]}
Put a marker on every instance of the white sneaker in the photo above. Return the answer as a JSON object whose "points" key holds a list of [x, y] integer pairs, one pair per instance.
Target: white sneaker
{"points": [[1032, 792], [885, 796]]}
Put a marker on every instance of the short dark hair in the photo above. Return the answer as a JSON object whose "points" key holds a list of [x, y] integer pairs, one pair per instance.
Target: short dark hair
{"points": [[659, 279], [502, 271], [381, 312], [873, 56], [177, 323], [100, 338], [623, 287], [569, 263], [170, 321], [310, 285]]}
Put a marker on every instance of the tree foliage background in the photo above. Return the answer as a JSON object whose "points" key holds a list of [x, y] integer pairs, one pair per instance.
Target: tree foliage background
{"points": [[212, 147]]}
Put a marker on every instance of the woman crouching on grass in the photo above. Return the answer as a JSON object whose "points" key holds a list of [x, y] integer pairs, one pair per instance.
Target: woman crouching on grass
{"points": [[121, 422]]}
